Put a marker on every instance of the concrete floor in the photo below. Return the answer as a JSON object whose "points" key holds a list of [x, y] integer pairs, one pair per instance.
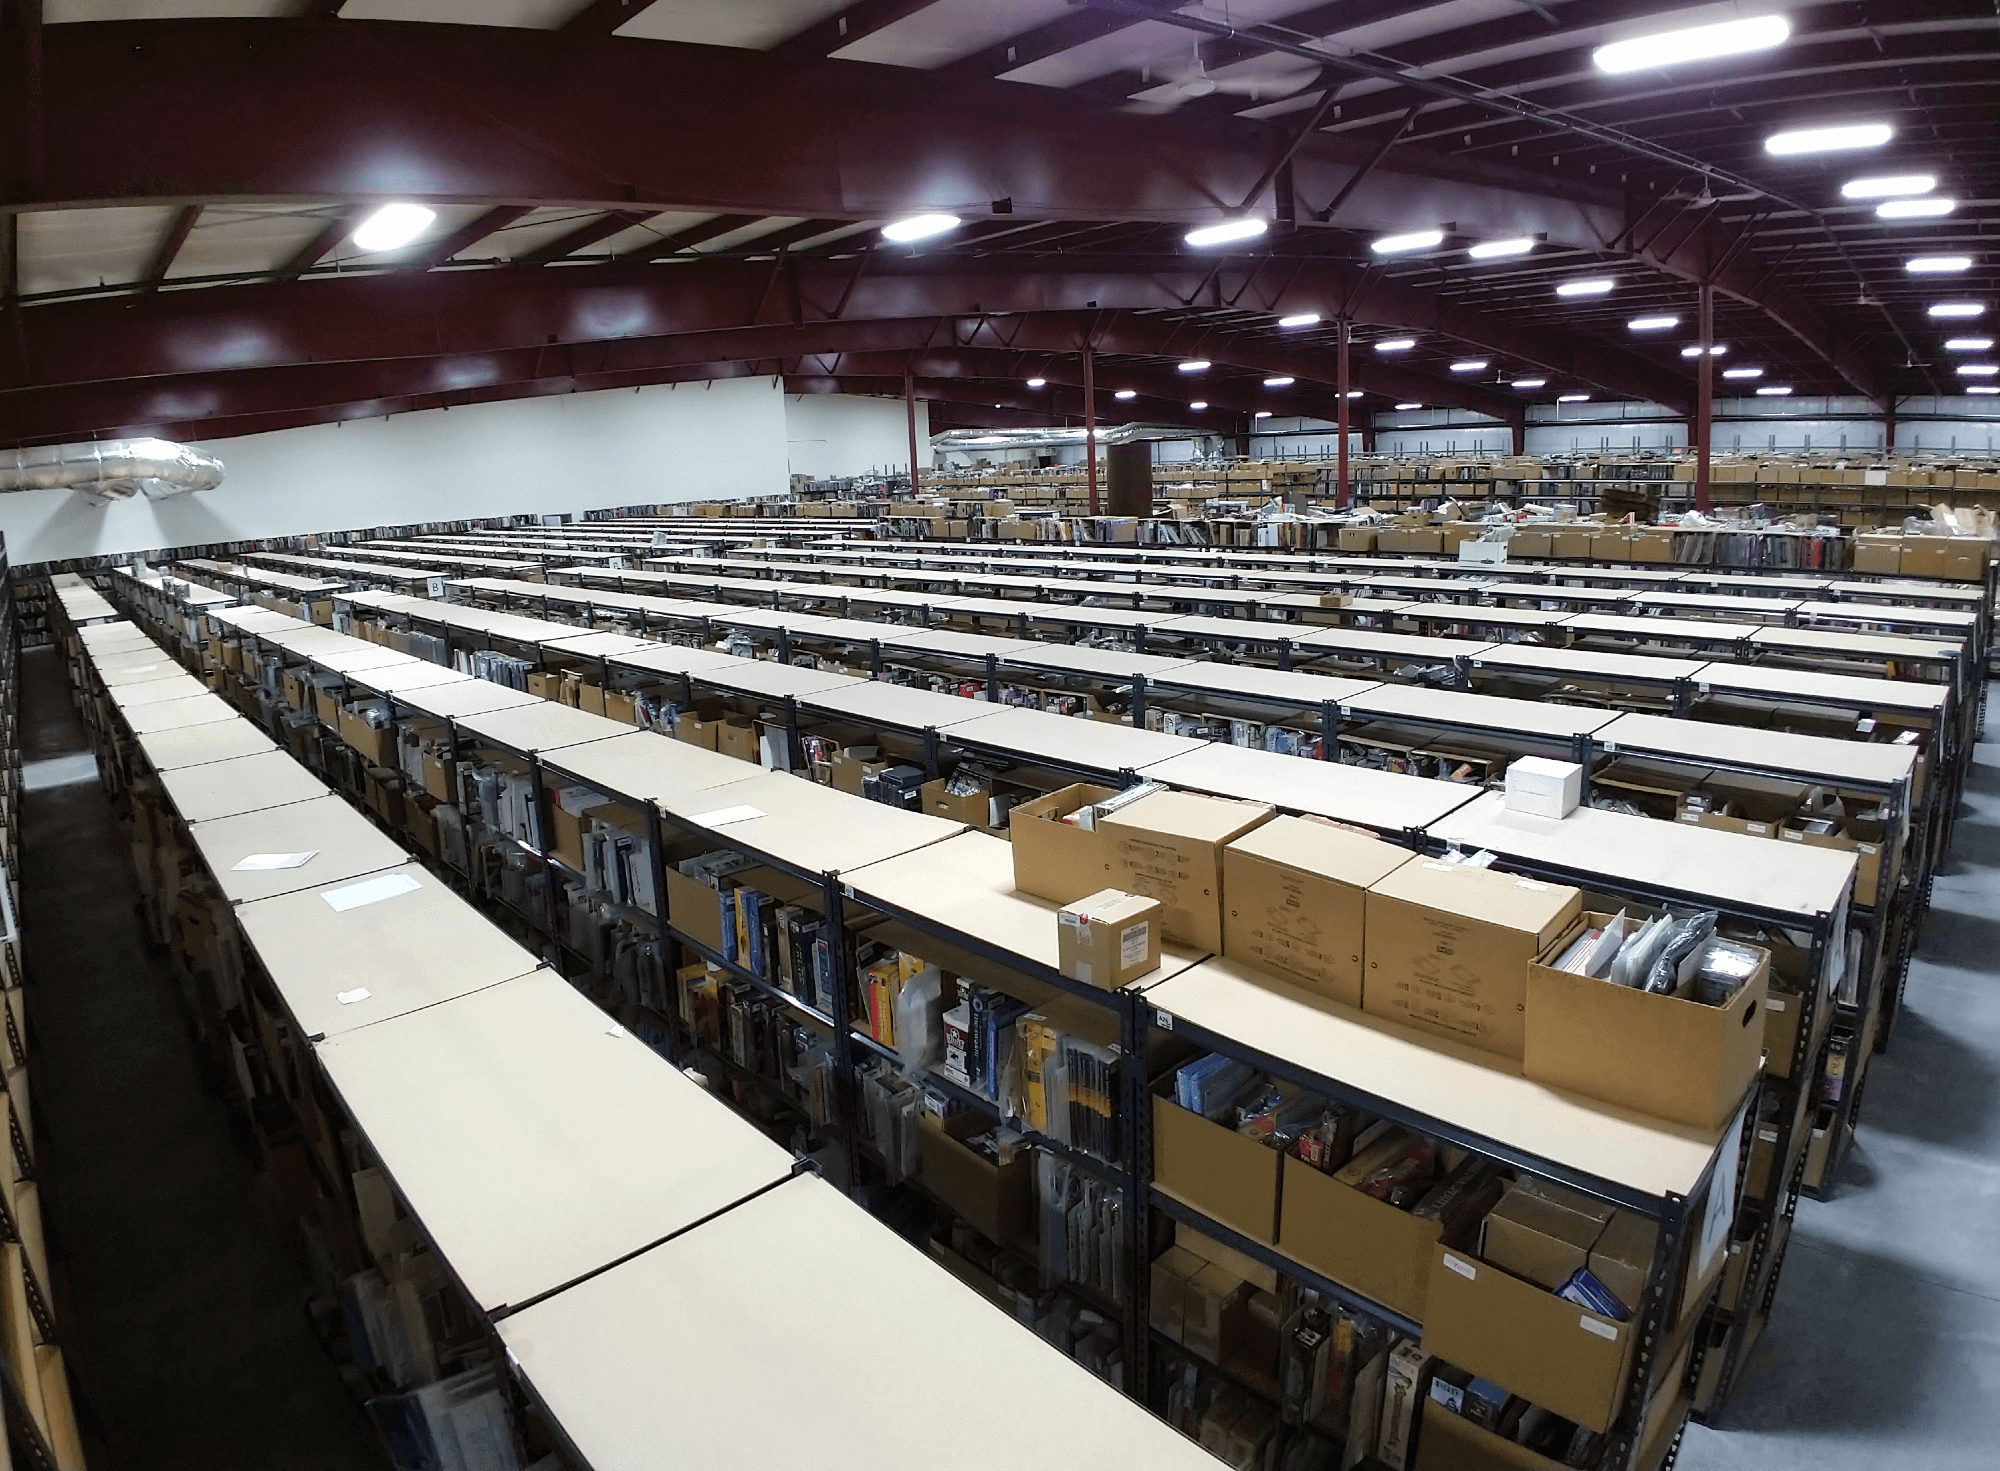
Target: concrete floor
{"points": [[1883, 1350], [186, 1315], [183, 1310]]}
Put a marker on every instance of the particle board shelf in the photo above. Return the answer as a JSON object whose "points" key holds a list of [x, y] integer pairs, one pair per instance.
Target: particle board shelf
{"points": [[1087, 663], [1914, 648], [453, 700], [654, 1348], [768, 679], [138, 667], [1482, 1098], [1830, 689], [421, 674], [805, 827], [340, 969], [344, 845], [1251, 681], [1386, 801], [200, 745], [202, 709], [1662, 629], [1071, 742], [539, 725], [1717, 605], [873, 702], [1533, 719], [246, 784], [587, 645], [644, 766], [155, 692], [674, 659], [521, 1196], [1811, 758], [1540, 660], [1368, 643]]}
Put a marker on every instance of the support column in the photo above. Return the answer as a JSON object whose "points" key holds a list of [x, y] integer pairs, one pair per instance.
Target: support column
{"points": [[1520, 428], [1889, 426], [1704, 399], [1344, 491], [910, 409], [1090, 424]]}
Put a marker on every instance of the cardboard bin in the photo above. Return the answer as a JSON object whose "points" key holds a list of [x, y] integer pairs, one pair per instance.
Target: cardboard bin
{"points": [[1224, 1174], [1294, 901], [1359, 1241], [993, 1199], [1169, 847], [1666, 1056], [972, 809], [1449, 1442], [1052, 859]]}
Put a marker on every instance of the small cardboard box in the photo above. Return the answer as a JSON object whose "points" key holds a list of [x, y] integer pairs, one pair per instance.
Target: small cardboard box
{"points": [[1359, 1241], [621, 707], [1879, 551], [737, 736], [1054, 860], [1294, 901], [1448, 949], [1451, 1442], [440, 778], [1571, 542], [993, 1199], [326, 704], [1663, 1055], [365, 738], [1622, 1260], [1543, 788], [1562, 1357], [1531, 541], [1173, 1269], [1224, 1174], [1542, 1236], [545, 686], [1652, 544], [694, 909], [1108, 939], [1612, 544], [1416, 540], [1169, 847], [973, 808]]}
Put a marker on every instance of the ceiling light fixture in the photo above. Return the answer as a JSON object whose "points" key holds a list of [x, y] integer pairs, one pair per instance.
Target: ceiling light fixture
{"points": [[1652, 324], [1828, 140], [1693, 43], [1927, 207], [1495, 249], [1982, 388], [1125, 393], [1229, 231], [1395, 344], [1354, 393], [1279, 382], [1473, 365], [1693, 350], [1977, 370], [1261, 414], [1195, 365], [1404, 244], [1886, 186], [1199, 404], [393, 226], [1937, 265], [1742, 372], [1300, 319], [1402, 408], [1958, 309], [919, 227], [1595, 286], [1572, 398], [1781, 392], [1529, 383], [1038, 382], [1968, 344]]}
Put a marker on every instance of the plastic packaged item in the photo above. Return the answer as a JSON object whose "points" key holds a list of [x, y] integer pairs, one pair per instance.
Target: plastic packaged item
{"points": [[1686, 936]]}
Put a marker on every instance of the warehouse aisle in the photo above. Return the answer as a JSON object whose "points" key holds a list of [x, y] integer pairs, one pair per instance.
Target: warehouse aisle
{"points": [[1883, 1352], [187, 1314]]}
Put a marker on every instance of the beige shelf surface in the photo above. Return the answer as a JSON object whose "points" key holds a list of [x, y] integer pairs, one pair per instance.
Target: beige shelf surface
{"points": [[363, 658], [1369, 643], [412, 949], [137, 667], [1721, 867], [1077, 659], [1816, 758], [646, 766], [1459, 1086], [768, 679], [1807, 684], [1298, 686], [538, 1141], [590, 645], [454, 700], [344, 845], [874, 702], [542, 725], [1586, 664], [1890, 615], [155, 692], [1379, 799], [1494, 713], [1914, 647], [1068, 740], [420, 675], [812, 827], [198, 745], [202, 709], [655, 1348], [1662, 629], [246, 784], [674, 659]]}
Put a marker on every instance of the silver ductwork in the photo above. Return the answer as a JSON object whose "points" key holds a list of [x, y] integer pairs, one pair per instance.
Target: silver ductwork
{"points": [[116, 469]]}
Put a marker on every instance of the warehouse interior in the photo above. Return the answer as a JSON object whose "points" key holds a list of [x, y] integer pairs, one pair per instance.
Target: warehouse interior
{"points": [[723, 722]]}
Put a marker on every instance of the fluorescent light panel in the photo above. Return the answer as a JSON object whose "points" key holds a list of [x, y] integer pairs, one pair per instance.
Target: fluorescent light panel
{"points": [[1279, 382], [1968, 344], [1693, 350], [1224, 233], [1652, 324], [1300, 319], [1496, 249], [1837, 139], [1199, 404], [1395, 344], [1958, 309], [1572, 398], [1926, 207], [1888, 186], [1937, 265], [1591, 287], [1982, 388], [1782, 392], [392, 227], [1401, 408], [1477, 365], [919, 227], [1126, 393], [1261, 414], [1530, 383], [1977, 370], [1037, 382], [1742, 372], [1693, 43], [1404, 244], [1195, 365]]}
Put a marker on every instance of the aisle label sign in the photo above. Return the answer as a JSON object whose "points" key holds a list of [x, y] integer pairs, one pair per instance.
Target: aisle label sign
{"points": [[1721, 1209]]}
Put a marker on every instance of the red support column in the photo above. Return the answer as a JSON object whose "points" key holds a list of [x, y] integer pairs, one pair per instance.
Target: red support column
{"points": [[1344, 492], [1090, 425], [1704, 399], [910, 408]]}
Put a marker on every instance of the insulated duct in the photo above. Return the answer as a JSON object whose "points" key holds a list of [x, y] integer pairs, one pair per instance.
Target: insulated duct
{"points": [[117, 469]]}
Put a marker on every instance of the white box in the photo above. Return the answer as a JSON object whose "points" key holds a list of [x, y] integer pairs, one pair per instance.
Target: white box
{"points": [[1544, 788], [1487, 552]]}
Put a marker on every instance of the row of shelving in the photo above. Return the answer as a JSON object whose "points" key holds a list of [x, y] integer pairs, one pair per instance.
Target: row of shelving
{"points": [[561, 1271], [587, 636]]}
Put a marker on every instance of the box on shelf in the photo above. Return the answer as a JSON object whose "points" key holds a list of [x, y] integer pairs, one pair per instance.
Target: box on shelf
{"points": [[737, 736], [993, 1198], [1168, 846], [699, 727], [1294, 900], [1652, 544], [1541, 1234], [365, 738], [1448, 949], [1108, 939], [1359, 1241], [1228, 1176], [1879, 552], [1056, 860], [1532, 541], [1668, 1056], [1543, 788], [975, 809]]}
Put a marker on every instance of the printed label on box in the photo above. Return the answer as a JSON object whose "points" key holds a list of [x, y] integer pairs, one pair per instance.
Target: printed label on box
{"points": [[1132, 944]]}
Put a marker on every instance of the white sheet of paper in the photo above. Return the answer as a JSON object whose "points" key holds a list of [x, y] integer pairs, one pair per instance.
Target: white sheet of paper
{"points": [[723, 815], [263, 862], [370, 891]]}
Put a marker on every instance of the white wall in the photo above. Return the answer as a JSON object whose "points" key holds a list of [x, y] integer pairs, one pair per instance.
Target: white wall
{"points": [[570, 452], [830, 434]]}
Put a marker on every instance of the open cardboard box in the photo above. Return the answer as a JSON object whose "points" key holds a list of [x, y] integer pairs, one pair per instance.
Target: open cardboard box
{"points": [[1667, 1056], [1054, 860], [1226, 1175], [1359, 1241], [993, 1199]]}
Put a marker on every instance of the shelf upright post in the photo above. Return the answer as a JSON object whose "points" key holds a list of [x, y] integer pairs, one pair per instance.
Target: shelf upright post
{"points": [[993, 679], [657, 857], [539, 799], [840, 961], [1655, 1315], [1135, 1142], [1329, 730], [1138, 702]]}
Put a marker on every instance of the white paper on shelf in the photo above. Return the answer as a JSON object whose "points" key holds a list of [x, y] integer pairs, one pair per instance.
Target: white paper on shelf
{"points": [[264, 862], [348, 998], [370, 891], [723, 815]]}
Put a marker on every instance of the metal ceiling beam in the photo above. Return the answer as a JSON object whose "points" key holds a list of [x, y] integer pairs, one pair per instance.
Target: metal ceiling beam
{"points": [[857, 22], [689, 238], [584, 236], [170, 246], [468, 235], [308, 255], [602, 17], [1064, 33]]}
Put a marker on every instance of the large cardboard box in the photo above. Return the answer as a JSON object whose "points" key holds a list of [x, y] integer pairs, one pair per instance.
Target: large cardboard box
{"points": [[1222, 1173], [1169, 847], [1664, 1055], [1448, 949], [1571, 542], [1652, 544], [1612, 544], [1879, 551], [1355, 539], [1294, 900], [698, 729], [1052, 859], [1562, 1357], [694, 909], [365, 738], [993, 1199], [1449, 1442], [1531, 541], [1108, 939], [1357, 1240], [737, 736], [1417, 540]]}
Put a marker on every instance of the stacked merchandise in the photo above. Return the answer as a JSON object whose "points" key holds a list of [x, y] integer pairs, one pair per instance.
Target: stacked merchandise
{"points": [[502, 669]]}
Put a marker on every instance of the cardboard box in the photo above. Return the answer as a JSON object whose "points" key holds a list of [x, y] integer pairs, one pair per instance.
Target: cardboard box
{"points": [[374, 744], [1542, 1236], [1294, 902], [326, 704], [1167, 1303], [1052, 859], [545, 686], [1532, 541], [1449, 1442], [1652, 544], [1169, 847], [1226, 1175], [1108, 939], [993, 1199], [1359, 1241], [1448, 949], [694, 909], [973, 809], [1355, 538], [1548, 1350], [737, 736], [1782, 1014], [1612, 544], [621, 707], [1214, 1303], [1666, 1056], [1879, 552], [1622, 1259], [698, 729], [1571, 543], [440, 778], [1543, 788]]}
